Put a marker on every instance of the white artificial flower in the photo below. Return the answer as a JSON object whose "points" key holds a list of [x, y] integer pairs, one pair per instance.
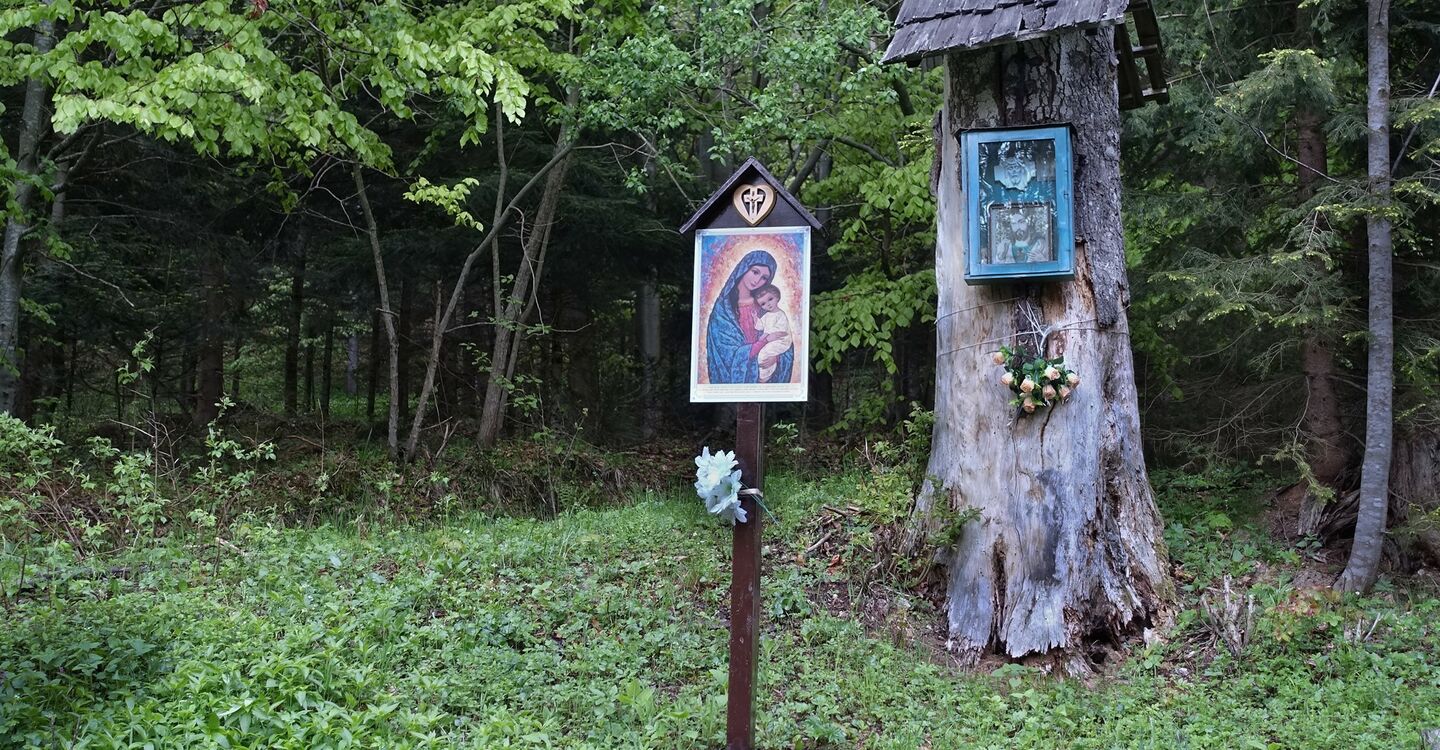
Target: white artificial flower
{"points": [[717, 482], [711, 469]]}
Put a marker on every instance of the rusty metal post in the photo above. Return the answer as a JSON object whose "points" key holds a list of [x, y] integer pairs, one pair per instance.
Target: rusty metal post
{"points": [[745, 582]]}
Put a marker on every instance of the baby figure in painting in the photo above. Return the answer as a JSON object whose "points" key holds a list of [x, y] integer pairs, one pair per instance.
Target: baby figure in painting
{"points": [[773, 328]]}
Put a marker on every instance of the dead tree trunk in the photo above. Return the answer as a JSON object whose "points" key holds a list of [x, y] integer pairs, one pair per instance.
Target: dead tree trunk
{"points": [[1066, 551], [352, 363], [310, 334], [372, 380], [1364, 565]]}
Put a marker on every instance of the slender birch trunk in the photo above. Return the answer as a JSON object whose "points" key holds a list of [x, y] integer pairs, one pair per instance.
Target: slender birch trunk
{"points": [[1364, 565], [372, 231]]}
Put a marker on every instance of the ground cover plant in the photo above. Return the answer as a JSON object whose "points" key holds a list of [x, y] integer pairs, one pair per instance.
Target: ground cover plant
{"points": [[605, 628]]}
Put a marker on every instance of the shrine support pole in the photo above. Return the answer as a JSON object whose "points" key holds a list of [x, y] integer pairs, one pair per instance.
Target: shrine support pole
{"points": [[745, 582]]}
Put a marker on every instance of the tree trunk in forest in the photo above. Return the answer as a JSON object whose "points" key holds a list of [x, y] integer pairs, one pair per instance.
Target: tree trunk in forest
{"points": [[372, 382], [21, 197], [649, 313], [532, 266], [310, 367], [406, 324], [352, 364], [1415, 491], [1067, 550], [210, 365], [1327, 450], [326, 360], [372, 231], [298, 239], [513, 310], [1364, 565], [235, 370], [650, 410]]}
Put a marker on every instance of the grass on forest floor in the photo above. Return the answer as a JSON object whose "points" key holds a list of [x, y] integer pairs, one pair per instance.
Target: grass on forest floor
{"points": [[606, 629]]}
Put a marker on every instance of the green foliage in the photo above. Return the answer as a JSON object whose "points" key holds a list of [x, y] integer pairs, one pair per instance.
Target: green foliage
{"points": [[106, 499], [603, 630], [1238, 252], [1212, 524], [865, 315]]}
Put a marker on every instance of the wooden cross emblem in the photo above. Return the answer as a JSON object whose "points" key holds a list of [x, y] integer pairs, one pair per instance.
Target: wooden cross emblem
{"points": [[754, 201]]}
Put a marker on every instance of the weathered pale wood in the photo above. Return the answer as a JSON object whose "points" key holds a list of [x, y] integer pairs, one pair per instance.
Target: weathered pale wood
{"points": [[1067, 549]]}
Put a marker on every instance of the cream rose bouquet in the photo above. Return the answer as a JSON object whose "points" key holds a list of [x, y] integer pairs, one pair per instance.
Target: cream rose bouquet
{"points": [[1037, 382]]}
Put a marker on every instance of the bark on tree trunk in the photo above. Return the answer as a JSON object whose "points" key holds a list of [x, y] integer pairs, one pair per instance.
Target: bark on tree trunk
{"points": [[1364, 565], [310, 367], [325, 370], [649, 357], [210, 366], [1328, 451], [352, 363], [22, 194], [373, 381], [510, 320], [372, 230], [406, 324], [296, 320], [1067, 550], [1415, 492]]}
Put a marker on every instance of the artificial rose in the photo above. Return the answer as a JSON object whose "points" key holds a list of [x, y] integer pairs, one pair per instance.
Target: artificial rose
{"points": [[998, 358], [1064, 391], [1072, 379], [1048, 392], [1008, 379], [1051, 373], [1027, 385]]}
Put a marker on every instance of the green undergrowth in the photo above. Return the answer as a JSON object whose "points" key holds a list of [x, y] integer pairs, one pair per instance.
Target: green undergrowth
{"points": [[606, 629]]}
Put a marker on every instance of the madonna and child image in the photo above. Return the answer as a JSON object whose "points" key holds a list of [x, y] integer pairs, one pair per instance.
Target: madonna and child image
{"points": [[752, 294]]}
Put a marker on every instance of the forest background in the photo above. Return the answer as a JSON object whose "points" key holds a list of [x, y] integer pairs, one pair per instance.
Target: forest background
{"points": [[347, 267], [311, 258], [422, 227]]}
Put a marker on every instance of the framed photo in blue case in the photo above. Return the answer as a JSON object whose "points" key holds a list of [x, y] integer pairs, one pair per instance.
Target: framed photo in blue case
{"points": [[1019, 204]]}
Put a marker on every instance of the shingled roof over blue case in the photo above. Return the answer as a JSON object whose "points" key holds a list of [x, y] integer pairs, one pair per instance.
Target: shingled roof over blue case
{"points": [[928, 27]]}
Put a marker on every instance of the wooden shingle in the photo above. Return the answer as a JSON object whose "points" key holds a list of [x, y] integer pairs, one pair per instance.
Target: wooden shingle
{"points": [[924, 28], [927, 27]]}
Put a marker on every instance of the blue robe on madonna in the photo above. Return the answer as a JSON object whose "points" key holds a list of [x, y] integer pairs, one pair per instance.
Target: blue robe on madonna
{"points": [[728, 354]]}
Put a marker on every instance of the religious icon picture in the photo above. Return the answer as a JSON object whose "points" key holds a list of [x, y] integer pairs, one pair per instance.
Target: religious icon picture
{"points": [[750, 337], [1019, 201], [1020, 233]]}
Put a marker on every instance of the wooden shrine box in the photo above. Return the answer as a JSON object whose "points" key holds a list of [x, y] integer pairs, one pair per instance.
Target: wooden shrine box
{"points": [[1018, 186], [750, 335]]}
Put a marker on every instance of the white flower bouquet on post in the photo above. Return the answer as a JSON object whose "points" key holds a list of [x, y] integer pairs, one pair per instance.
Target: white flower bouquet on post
{"points": [[717, 482]]}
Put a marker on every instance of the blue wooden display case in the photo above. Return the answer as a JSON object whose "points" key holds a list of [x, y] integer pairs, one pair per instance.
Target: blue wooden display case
{"points": [[1019, 204]]}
